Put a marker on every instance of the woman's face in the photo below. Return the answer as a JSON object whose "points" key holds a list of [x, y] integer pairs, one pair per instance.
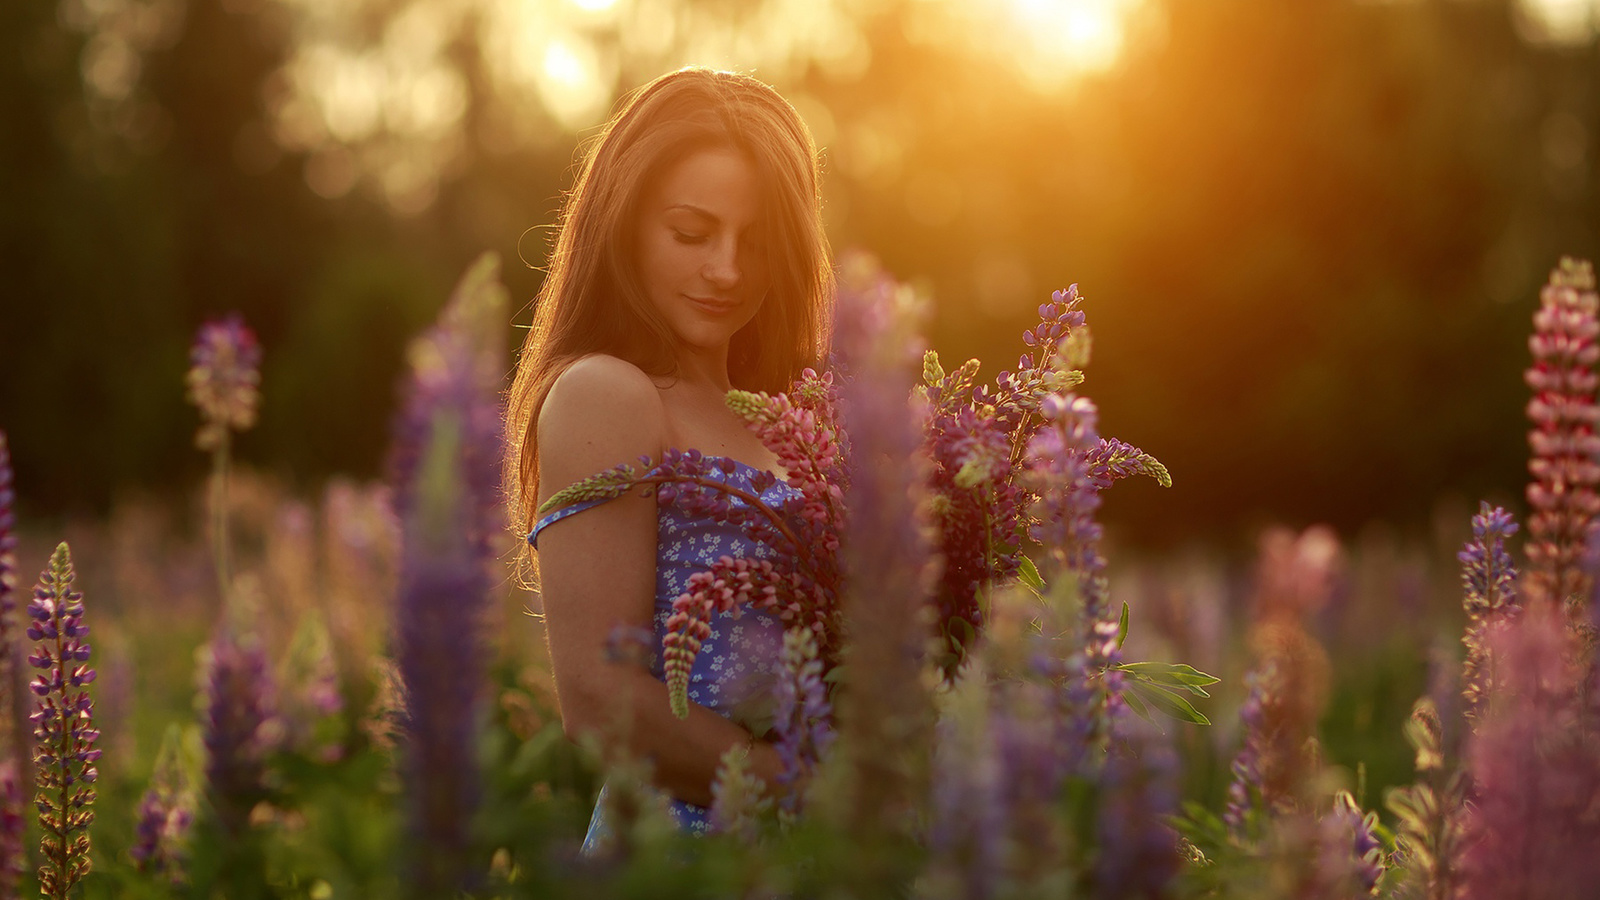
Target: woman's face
{"points": [[701, 259]]}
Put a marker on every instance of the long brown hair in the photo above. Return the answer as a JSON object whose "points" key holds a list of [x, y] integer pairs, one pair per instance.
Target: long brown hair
{"points": [[592, 301]]}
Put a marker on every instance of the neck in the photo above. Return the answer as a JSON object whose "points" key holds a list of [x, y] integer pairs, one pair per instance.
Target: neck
{"points": [[703, 368]]}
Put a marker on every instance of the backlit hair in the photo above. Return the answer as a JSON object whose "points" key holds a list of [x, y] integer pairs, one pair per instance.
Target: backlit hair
{"points": [[592, 300]]}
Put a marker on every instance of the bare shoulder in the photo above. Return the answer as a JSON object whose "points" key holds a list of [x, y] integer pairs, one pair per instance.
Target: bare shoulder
{"points": [[600, 412]]}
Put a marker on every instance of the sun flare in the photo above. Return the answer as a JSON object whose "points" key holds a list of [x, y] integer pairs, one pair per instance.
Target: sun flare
{"points": [[1084, 35]]}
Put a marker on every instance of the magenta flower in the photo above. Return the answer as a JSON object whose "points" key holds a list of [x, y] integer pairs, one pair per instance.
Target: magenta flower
{"points": [[1531, 830], [1564, 416], [63, 728], [224, 379]]}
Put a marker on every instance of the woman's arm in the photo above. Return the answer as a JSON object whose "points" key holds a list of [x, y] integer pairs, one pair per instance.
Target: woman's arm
{"points": [[598, 570]]}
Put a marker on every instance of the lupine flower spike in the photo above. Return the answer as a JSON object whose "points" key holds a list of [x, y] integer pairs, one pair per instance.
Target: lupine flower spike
{"points": [[11, 793], [1531, 828], [63, 727], [164, 815], [223, 382], [802, 717], [1564, 416], [1489, 578], [238, 728], [1058, 472], [737, 797], [446, 471]]}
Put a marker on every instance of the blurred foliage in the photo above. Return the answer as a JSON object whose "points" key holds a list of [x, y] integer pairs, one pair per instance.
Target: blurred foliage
{"points": [[1310, 234]]}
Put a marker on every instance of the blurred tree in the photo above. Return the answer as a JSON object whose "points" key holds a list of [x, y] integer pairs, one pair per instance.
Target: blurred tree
{"points": [[1310, 233]]}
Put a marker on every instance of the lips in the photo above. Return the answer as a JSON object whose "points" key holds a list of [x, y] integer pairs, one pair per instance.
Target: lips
{"points": [[713, 305]]}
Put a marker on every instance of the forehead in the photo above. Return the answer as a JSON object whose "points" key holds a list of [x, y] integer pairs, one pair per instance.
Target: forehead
{"points": [[718, 183]]}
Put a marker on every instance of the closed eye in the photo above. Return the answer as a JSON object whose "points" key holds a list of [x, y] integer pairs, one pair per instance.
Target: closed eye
{"points": [[688, 237]]}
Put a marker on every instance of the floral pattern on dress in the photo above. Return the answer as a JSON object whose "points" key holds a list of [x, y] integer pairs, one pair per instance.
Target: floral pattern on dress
{"points": [[734, 672]]}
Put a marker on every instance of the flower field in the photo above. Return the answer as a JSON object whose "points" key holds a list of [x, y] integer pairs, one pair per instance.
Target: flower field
{"points": [[265, 694]]}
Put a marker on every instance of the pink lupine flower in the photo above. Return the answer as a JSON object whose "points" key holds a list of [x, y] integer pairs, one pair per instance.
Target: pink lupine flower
{"points": [[1564, 416]]}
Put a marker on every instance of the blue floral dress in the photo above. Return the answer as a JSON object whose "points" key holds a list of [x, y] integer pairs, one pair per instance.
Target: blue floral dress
{"points": [[737, 664]]}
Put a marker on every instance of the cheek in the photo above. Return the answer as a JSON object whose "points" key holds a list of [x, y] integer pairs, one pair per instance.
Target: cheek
{"points": [[661, 262]]}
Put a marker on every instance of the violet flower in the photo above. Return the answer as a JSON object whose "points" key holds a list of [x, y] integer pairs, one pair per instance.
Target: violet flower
{"points": [[224, 379], [238, 727], [12, 743], [160, 826], [13, 855], [1531, 830], [1058, 472], [223, 382], [1564, 416], [1490, 598], [887, 558], [968, 828], [1136, 852], [64, 731], [1246, 792], [1349, 858], [445, 468], [802, 716]]}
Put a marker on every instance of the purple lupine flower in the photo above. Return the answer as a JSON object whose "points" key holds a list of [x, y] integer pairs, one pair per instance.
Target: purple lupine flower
{"points": [[802, 716], [445, 468], [1564, 416], [224, 379], [1136, 852], [1245, 792], [159, 828], [887, 555], [968, 821], [13, 855], [1058, 472], [1346, 857], [11, 742], [64, 732], [1531, 830], [1037, 748], [1490, 597], [311, 699], [239, 728]]}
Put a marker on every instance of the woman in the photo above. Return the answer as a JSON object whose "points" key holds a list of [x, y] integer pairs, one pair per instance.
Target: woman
{"points": [[690, 261]]}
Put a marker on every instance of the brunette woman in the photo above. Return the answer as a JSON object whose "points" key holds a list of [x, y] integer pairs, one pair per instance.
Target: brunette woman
{"points": [[690, 260]]}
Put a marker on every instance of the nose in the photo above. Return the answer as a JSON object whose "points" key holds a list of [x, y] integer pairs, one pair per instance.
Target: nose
{"points": [[722, 267]]}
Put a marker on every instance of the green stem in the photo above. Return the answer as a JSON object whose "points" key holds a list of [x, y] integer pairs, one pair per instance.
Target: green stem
{"points": [[219, 513]]}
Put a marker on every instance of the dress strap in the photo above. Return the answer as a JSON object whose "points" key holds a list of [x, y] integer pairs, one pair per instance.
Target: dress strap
{"points": [[549, 519]]}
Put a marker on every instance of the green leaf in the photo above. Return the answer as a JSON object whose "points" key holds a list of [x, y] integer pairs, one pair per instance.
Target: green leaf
{"points": [[1171, 675], [1168, 703], [1122, 625], [1029, 573], [1138, 707]]}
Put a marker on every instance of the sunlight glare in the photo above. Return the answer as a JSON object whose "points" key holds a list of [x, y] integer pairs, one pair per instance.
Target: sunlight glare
{"points": [[1084, 35], [594, 5]]}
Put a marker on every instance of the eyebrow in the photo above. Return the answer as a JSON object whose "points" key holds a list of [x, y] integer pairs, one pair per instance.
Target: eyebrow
{"points": [[699, 211], [707, 214]]}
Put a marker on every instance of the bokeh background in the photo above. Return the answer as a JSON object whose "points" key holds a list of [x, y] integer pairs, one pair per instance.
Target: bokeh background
{"points": [[1311, 234]]}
